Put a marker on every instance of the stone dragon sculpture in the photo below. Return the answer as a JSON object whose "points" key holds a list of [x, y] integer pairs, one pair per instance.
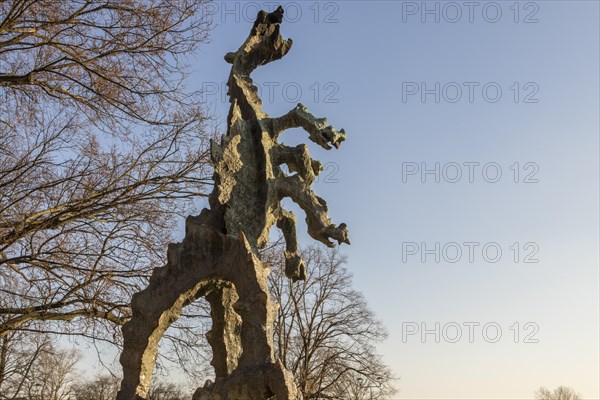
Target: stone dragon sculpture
{"points": [[219, 257]]}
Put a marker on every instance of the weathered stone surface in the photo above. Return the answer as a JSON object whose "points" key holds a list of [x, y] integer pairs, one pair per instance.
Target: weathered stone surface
{"points": [[270, 381], [219, 259]]}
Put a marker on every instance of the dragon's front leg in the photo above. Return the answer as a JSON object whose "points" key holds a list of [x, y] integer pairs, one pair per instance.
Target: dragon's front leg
{"points": [[319, 225], [319, 132], [294, 265], [298, 160]]}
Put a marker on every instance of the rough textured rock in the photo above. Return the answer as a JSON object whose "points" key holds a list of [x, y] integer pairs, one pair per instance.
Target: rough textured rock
{"points": [[219, 259]]}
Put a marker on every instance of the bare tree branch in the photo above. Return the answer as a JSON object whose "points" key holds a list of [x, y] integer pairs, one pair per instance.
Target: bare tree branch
{"points": [[102, 149], [324, 331]]}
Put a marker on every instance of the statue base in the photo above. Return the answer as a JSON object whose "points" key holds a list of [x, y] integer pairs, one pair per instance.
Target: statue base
{"points": [[271, 381]]}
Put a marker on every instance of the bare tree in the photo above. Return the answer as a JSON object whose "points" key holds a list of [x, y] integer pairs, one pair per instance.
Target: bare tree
{"points": [[19, 353], [186, 347], [104, 387], [114, 61], [101, 147], [560, 393], [35, 369], [324, 331], [166, 391]]}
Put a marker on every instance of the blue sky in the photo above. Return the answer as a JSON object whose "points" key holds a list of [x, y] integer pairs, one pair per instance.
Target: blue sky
{"points": [[528, 75]]}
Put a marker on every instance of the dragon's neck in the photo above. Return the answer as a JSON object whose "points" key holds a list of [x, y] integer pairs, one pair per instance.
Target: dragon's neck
{"points": [[244, 99]]}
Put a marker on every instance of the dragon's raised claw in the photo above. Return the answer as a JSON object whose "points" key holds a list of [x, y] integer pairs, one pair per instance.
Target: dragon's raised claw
{"points": [[339, 233], [328, 135]]}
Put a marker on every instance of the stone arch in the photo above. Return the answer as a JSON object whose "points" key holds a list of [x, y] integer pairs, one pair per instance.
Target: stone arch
{"points": [[223, 269]]}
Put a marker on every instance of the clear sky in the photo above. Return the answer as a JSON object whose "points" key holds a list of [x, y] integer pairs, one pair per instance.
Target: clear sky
{"points": [[464, 90]]}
